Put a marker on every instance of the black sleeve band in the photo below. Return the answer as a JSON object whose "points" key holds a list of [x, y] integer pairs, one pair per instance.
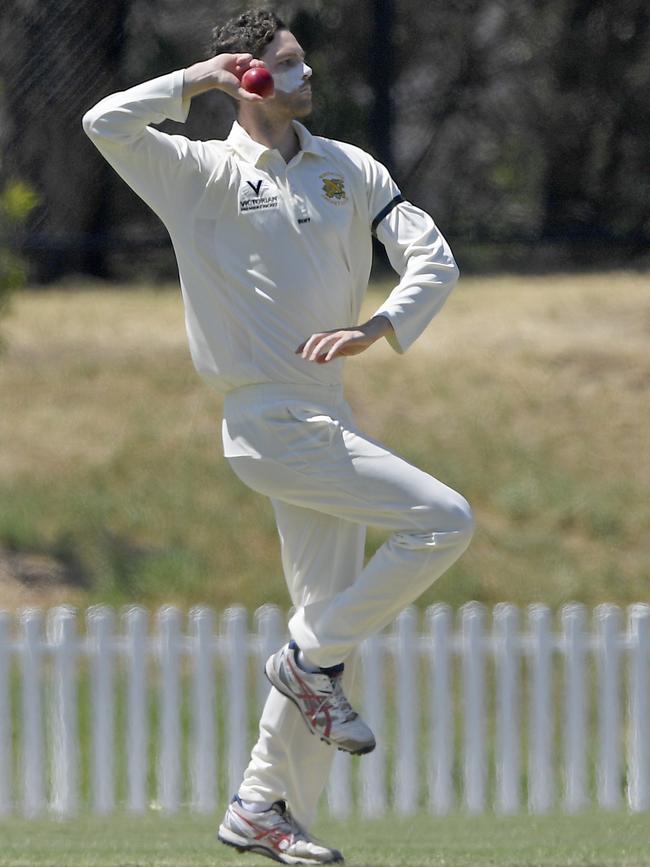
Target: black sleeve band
{"points": [[386, 211]]}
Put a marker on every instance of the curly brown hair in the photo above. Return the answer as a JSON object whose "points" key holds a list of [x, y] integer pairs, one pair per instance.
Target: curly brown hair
{"points": [[247, 33]]}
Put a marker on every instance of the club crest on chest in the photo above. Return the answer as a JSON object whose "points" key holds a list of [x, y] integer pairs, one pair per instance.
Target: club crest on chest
{"points": [[333, 188]]}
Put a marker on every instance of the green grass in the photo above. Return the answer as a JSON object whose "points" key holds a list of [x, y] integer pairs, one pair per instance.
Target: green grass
{"points": [[592, 838], [526, 394]]}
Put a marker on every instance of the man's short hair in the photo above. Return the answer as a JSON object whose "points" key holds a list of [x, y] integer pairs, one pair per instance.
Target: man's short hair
{"points": [[248, 33]]}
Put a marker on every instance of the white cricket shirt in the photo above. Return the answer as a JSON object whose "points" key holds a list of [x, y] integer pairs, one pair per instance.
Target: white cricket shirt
{"points": [[271, 252]]}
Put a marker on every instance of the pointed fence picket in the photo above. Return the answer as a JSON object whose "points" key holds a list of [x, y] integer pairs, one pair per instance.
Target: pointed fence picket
{"points": [[639, 754], [63, 720], [440, 741], [137, 715], [169, 754], [100, 625], [541, 728], [204, 758], [167, 717], [507, 728], [33, 772], [607, 627], [5, 716], [373, 768], [473, 683]]}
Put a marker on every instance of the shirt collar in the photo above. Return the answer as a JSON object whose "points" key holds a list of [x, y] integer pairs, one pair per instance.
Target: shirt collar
{"points": [[251, 150], [308, 143]]}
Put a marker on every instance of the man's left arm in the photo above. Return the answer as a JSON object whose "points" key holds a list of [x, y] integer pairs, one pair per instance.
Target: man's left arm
{"points": [[419, 254], [423, 259]]}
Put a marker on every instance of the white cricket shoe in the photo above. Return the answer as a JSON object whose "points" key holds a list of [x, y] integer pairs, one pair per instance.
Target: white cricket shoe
{"points": [[273, 833], [320, 699]]}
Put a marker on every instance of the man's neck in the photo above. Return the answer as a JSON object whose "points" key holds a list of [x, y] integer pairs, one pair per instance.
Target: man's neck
{"points": [[275, 134]]}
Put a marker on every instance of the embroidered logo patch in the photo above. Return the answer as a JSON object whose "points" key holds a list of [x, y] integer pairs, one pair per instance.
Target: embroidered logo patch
{"points": [[258, 195], [334, 188]]}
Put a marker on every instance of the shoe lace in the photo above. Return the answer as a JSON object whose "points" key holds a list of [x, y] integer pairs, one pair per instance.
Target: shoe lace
{"points": [[339, 700], [295, 829]]}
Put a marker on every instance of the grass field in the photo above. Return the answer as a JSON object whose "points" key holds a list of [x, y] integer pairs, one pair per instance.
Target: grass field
{"points": [[529, 395], [188, 841]]}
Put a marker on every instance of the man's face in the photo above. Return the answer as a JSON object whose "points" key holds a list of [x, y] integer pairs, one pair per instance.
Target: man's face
{"points": [[285, 61]]}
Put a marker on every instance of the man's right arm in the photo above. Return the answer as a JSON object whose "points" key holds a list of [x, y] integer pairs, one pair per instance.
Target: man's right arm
{"points": [[150, 161]]}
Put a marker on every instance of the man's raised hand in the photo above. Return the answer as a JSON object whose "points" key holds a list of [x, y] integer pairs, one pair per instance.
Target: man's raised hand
{"points": [[222, 72]]}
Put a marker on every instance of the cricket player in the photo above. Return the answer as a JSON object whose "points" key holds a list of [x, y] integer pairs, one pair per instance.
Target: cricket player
{"points": [[272, 233]]}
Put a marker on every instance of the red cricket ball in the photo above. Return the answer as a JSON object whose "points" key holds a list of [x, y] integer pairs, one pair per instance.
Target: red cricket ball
{"points": [[258, 80]]}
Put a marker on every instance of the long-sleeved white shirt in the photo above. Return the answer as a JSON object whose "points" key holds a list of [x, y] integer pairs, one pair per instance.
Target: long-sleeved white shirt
{"points": [[271, 252]]}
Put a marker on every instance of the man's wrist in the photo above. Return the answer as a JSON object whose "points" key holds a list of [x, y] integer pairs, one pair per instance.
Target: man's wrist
{"points": [[379, 326], [197, 79]]}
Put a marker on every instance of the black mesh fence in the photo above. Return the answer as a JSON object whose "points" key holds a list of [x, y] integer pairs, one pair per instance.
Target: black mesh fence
{"points": [[524, 130]]}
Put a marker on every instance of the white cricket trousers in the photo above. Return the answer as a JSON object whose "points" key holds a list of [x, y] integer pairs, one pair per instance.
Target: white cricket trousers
{"points": [[327, 481]]}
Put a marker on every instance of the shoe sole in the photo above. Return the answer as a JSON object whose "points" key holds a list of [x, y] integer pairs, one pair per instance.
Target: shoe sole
{"points": [[254, 850], [268, 853], [362, 751]]}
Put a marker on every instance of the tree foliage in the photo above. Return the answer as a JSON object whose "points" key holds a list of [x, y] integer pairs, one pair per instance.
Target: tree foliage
{"points": [[510, 122], [17, 201]]}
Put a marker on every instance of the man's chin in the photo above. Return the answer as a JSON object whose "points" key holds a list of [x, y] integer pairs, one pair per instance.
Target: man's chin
{"points": [[303, 108]]}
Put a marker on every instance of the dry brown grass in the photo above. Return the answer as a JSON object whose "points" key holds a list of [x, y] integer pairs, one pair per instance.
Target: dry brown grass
{"points": [[530, 395]]}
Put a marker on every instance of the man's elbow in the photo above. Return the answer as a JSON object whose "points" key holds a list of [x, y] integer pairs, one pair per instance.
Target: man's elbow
{"points": [[450, 275], [89, 123], [99, 123], [443, 264]]}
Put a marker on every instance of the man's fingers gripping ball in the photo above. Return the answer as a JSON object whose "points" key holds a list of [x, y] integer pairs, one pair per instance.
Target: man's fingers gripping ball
{"points": [[258, 80], [235, 67]]}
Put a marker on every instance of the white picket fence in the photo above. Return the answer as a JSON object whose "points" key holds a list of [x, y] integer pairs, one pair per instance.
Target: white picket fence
{"points": [[485, 716]]}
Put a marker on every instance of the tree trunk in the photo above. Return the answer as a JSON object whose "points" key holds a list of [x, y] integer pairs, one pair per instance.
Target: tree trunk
{"points": [[381, 78]]}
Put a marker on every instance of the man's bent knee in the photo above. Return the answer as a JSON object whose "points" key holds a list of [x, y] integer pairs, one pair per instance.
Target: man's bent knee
{"points": [[456, 529], [464, 516]]}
